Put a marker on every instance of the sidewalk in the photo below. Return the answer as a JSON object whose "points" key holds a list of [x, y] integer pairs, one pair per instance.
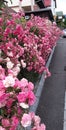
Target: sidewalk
{"points": [[52, 99]]}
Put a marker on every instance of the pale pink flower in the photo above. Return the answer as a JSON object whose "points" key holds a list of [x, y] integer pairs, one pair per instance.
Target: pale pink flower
{"points": [[10, 54], [9, 81], [30, 86], [43, 127], [39, 127], [37, 120], [24, 82], [16, 70], [26, 120], [1, 128]]}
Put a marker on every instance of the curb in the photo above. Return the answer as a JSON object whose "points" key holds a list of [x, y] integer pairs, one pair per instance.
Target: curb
{"points": [[41, 84]]}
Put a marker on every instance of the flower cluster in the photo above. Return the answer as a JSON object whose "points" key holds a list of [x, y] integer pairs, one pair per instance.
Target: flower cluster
{"points": [[28, 43], [16, 96]]}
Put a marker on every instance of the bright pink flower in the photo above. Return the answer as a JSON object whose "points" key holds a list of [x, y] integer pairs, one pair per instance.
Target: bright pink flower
{"points": [[22, 96], [31, 98]]}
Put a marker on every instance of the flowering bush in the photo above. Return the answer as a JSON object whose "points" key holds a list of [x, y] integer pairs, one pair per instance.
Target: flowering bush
{"points": [[28, 43], [16, 96], [23, 44]]}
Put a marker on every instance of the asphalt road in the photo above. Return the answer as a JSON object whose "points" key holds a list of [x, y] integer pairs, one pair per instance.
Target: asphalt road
{"points": [[51, 103]]}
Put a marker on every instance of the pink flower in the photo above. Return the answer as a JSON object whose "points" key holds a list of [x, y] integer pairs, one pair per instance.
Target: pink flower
{"points": [[1, 128], [24, 82], [2, 87], [16, 70], [26, 120], [9, 102], [22, 96], [43, 127], [37, 120], [9, 81], [5, 123], [2, 72], [30, 86], [39, 127], [3, 97], [15, 121], [31, 98]]}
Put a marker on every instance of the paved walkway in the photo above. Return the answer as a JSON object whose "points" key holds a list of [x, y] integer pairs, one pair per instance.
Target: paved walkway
{"points": [[52, 103]]}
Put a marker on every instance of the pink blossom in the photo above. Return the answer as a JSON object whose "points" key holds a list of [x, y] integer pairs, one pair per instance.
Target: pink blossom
{"points": [[31, 98], [9, 102], [2, 72], [3, 98], [1, 128], [15, 121], [26, 120], [39, 127], [2, 87], [9, 81], [30, 86], [24, 82], [37, 120], [16, 70], [22, 96], [5, 122]]}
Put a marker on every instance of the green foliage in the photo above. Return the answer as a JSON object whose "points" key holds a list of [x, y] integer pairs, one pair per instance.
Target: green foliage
{"points": [[30, 75]]}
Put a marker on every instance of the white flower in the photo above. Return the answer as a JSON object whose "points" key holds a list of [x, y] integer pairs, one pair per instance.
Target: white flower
{"points": [[9, 65], [16, 70], [23, 64], [9, 81], [24, 105]]}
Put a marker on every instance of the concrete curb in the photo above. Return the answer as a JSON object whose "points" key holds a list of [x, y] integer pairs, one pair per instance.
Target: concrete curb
{"points": [[41, 84]]}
